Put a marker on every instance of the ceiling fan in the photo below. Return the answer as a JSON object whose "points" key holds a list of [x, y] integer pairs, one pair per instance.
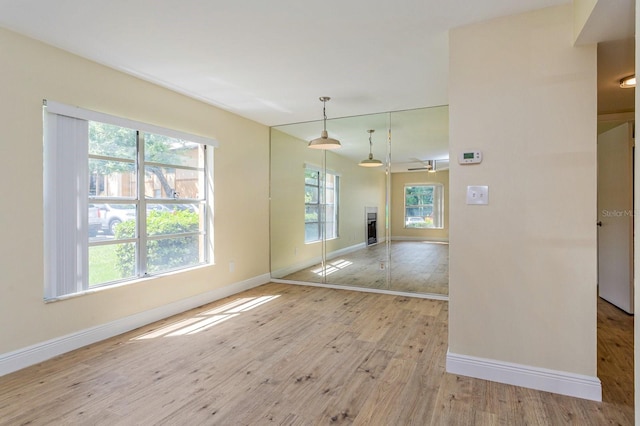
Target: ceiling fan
{"points": [[426, 165]]}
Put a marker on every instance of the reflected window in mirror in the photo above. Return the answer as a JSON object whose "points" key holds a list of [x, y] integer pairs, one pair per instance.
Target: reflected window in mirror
{"points": [[423, 206], [321, 205]]}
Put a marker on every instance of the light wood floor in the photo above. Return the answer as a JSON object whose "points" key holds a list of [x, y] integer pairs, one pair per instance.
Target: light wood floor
{"points": [[296, 355], [416, 267], [615, 354]]}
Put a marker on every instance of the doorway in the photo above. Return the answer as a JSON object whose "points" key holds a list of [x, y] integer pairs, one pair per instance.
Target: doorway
{"points": [[616, 216], [616, 123]]}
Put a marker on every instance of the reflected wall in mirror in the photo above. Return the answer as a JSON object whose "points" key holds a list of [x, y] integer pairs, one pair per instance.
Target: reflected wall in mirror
{"points": [[419, 201], [320, 200], [329, 216]]}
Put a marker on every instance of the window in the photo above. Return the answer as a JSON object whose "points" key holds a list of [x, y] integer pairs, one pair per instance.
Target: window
{"points": [[423, 206], [321, 205], [123, 200]]}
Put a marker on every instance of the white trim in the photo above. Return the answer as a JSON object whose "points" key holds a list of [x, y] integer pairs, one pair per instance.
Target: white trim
{"points": [[21, 358], [283, 272], [438, 202], [560, 382], [312, 166], [85, 114], [373, 209], [428, 239], [320, 169], [346, 250], [430, 296], [316, 260]]}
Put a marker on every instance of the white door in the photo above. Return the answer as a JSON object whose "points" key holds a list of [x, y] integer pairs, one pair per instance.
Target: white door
{"points": [[615, 216]]}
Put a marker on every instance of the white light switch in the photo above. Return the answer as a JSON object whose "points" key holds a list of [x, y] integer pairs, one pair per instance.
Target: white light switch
{"points": [[477, 195]]}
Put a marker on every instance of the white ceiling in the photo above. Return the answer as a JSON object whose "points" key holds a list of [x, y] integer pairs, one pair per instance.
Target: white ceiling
{"points": [[417, 135], [269, 60], [616, 60]]}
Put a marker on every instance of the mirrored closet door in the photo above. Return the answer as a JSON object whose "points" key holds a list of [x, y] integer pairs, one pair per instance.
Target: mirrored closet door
{"points": [[383, 226]]}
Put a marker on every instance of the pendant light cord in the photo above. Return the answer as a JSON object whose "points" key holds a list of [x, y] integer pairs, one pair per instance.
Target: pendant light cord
{"points": [[324, 113]]}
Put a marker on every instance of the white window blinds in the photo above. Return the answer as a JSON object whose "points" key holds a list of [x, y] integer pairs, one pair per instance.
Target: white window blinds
{"points": [[65, 212], [67, 237]]}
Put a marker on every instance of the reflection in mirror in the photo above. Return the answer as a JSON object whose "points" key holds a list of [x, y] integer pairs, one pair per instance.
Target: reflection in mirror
{"points": [[358, 257], [320, 199], [329, 221], [420, 201]]}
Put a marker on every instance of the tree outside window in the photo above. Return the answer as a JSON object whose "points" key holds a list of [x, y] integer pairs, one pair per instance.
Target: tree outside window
{"points": [[170, 208]]}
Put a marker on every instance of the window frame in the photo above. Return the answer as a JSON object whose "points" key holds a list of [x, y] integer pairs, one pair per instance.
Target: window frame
{"points": [[437, 205], [322, 190], [72, 278]]}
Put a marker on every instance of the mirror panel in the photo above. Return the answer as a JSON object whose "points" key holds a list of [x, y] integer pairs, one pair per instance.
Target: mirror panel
{"points": [[358, 257], [419, 249], [289, 253], [370, 237]]}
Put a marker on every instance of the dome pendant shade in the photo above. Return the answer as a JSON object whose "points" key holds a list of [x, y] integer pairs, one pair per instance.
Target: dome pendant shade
{"points": [[324, 141], [370, 162]]}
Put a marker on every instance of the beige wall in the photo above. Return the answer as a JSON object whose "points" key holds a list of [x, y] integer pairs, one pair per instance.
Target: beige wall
{"points": [[360, 187], [582, 10], [288, 156], [398, 181], [31, 72], [523, 268]]}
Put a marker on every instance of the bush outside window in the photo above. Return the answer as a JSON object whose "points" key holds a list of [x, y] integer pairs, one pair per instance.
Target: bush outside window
{"points": [[122, 201], [164, 234]]}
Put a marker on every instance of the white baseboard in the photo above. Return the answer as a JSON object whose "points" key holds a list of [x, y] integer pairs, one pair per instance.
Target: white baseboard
{"points": [[316, 260], [560, 382], [21, 358], [346, 250], [431, 296], [433, 239]]}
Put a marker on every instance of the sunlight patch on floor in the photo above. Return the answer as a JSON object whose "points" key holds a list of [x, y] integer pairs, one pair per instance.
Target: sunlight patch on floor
{"points": [[332, 267], [208, 319]]}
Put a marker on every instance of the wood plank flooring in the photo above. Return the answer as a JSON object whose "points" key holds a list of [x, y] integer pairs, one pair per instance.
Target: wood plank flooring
{"points": [[416, 267], [294, 355], [615, 354]]}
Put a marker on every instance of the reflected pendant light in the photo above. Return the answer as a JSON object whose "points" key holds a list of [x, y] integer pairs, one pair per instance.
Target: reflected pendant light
{"points": [[370, 162], [628, 82], [324, 141]]}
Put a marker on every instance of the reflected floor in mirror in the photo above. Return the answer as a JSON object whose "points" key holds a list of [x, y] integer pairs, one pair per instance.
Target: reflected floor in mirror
{"points": [[416, 267]]}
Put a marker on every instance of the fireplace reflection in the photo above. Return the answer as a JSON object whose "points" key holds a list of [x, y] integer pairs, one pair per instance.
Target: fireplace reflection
{"points": [[372, 232]]}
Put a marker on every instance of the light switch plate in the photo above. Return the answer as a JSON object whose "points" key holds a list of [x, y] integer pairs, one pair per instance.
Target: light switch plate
{"points": [[477, 195]]}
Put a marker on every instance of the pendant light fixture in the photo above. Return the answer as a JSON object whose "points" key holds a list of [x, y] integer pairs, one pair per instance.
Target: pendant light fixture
{"points": [[370, 162], [324, 141], [628, 82]]}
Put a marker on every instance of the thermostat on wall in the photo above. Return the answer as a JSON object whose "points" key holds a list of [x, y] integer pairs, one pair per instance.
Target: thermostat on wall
{"points": [[470, 157]]}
